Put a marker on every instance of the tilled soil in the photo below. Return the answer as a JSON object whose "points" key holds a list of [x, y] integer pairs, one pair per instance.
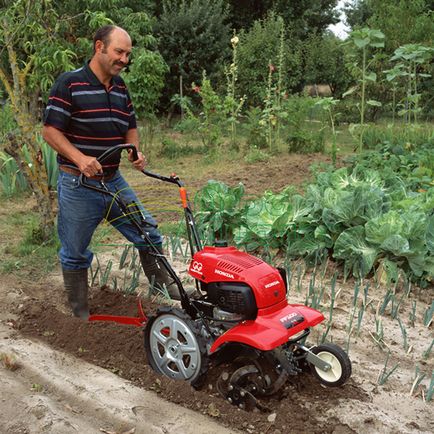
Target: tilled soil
{"points": [[34, 308], [120, 349]]}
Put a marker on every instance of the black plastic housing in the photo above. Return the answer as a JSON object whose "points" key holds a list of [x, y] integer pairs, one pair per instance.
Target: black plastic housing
{"points": [[232, 297]]}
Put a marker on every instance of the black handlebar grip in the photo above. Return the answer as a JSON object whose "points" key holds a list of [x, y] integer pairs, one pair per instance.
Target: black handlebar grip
{"points": [[135, 154], [118, 148]]}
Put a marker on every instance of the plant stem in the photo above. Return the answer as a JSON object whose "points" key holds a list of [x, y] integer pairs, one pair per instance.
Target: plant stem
{"points": [[362, 107]]}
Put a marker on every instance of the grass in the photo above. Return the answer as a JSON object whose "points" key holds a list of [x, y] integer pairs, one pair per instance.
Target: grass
{"points": [[22, 247]]}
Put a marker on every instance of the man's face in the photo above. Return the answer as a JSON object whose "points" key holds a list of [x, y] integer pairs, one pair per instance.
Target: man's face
{"points": [[114, 56]]}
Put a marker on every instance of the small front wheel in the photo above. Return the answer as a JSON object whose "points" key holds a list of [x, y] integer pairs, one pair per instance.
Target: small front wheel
{"points": [[339, 361]]}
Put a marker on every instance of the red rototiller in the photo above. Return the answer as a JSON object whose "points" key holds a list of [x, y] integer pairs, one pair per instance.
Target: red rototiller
{"points": [[241, 316]]}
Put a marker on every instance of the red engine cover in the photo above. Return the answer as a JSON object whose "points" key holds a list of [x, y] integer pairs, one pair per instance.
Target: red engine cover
{"points": [[227, 264]]}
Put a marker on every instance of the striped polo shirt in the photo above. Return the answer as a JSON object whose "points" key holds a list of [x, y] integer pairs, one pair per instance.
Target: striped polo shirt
{"points": [[91, 117]]}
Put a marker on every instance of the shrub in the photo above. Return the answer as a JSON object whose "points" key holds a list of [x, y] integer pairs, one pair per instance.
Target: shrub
{"points": [[255, 133], [255, 155], [298, 137], [193, 37], [409, 136], [259, 47], [305, 142]]}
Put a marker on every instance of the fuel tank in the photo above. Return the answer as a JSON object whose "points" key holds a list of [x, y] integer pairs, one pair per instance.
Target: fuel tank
{"points": [[227, 264]]}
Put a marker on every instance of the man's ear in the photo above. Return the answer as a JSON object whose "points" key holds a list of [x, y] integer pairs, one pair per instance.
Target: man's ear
{"points": [[99, 46]]}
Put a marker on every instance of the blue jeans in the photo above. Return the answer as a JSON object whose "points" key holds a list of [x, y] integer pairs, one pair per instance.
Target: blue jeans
{"points": [[82, 209]]}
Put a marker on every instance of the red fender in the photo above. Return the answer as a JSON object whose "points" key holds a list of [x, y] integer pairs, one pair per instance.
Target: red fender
{"points": [[272, 327]]}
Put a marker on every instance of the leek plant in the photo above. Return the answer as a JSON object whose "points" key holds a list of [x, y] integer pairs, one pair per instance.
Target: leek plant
{"points": [[427, 352], [418, 377], [385, 373], [430, 390], [404, 335], [413, 313], [428, 315]]}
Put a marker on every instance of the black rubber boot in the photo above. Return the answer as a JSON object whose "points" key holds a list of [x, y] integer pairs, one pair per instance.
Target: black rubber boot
{"points": [[75, 282], [157, 273]]}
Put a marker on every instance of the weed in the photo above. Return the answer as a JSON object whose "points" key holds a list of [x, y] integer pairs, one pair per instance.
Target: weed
{"points": [[255, 155], [9, 361], [35, 387]]}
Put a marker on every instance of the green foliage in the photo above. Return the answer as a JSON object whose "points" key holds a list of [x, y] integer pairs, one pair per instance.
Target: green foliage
{"points": [[255, 155], [406, 158], [12, 181], [304, 16], [218, 115], [58, 36], [255, 134], [329, 105], [410, 137], [361, 44], [219, 210], [411, 58], [325, 63], [366, 218], [7, 121], [33, 251], [193, 36], [307, 17], [296, 134], [259, 47], [172, 149], [211, 119], [393, 16], [145, 80]]}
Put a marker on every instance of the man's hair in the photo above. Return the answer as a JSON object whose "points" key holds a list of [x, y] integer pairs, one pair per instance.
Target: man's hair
{"points": [[103, 34]]}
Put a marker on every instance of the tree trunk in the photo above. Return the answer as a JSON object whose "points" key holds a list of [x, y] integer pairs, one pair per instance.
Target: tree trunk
{"points": [[24, 103], [36, 176]]}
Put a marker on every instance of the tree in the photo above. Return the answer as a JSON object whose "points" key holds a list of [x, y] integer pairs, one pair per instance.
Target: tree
{"points": [[259, 47], [357, 12], [401, 21], [304, 17], [325, 62], [39, 40], [193, 37]]}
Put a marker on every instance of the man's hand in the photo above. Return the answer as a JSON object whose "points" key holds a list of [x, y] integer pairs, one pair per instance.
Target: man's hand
{"points": [[138, 164], [89, 166]]}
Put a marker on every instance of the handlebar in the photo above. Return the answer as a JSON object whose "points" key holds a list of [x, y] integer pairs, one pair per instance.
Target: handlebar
{"points": [[117, 148], [173, 179]]}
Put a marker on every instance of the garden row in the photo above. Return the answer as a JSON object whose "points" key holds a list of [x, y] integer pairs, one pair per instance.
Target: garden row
{"points": [[377, 215]]}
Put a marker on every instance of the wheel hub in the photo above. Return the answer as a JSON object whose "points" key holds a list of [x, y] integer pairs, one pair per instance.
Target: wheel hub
{"points": [[174, 347]]}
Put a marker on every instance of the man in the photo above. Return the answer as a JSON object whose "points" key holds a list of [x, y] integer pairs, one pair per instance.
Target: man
{"points": [[88, 111]]}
